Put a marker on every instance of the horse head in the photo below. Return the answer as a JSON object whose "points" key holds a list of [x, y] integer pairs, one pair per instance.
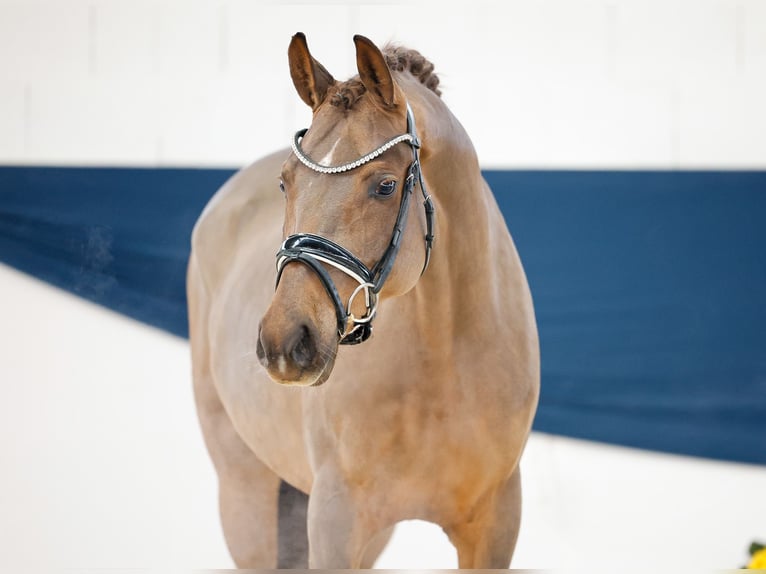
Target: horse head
{"points": [[347, 188]]}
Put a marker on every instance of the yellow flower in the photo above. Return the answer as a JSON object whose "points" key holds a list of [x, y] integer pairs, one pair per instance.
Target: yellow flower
{"points": [[759, 560]]}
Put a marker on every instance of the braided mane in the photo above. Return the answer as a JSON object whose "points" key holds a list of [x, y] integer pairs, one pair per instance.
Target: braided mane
{"points": [[399, 59]]}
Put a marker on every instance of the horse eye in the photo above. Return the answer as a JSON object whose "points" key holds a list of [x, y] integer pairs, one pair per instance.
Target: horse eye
{"points": [[386, 187], [281, 186]]}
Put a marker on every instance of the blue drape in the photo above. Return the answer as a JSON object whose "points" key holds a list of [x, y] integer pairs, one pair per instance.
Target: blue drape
{"points": [[649, 286]]}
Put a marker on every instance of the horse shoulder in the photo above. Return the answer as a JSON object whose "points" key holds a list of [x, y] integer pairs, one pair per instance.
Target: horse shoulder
{"points": [[502, 333], [249, 203]]}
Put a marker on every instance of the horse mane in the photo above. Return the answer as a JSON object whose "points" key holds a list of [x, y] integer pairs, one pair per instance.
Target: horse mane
{"points": [[399, 59]]}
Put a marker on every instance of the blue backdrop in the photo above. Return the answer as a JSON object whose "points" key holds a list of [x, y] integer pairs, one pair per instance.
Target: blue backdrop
{"points": [[649, 287]]}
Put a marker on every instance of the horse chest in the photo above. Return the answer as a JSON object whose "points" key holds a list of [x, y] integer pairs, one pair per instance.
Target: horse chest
{"points": [[430, 456], [414, 430], [391, 418]]}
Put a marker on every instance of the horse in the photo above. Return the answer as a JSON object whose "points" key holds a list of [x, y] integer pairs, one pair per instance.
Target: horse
{"points": [[393, 372]]}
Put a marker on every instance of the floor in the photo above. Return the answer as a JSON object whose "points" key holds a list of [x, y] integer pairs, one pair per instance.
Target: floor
{"points": [[103, 467]]}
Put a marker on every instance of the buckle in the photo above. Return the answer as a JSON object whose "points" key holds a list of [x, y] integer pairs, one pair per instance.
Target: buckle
{"points": [[359, 334]]}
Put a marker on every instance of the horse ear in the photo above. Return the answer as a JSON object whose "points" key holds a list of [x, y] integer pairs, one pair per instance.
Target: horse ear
{"points": [[310, 78], [375, 73]]}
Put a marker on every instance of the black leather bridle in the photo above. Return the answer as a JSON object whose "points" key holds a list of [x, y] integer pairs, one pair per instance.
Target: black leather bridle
{"points": [[315, 251]]}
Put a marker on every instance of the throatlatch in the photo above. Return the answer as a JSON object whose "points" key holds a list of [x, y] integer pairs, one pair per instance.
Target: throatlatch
{"points": [[316, 251]]}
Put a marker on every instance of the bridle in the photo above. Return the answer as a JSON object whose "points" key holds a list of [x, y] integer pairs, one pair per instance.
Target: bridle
{"points": [[315, 251]]}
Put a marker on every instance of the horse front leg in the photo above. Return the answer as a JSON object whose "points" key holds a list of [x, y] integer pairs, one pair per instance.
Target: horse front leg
{"points": [[338, 535], [248, 491], [489, 539]]}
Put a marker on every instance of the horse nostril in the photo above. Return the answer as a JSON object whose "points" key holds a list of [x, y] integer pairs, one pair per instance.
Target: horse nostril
{"points": [[259, 350], [304, 350]]}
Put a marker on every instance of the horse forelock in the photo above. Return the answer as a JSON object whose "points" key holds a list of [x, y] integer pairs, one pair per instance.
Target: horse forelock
{"points": [[399, 59]]}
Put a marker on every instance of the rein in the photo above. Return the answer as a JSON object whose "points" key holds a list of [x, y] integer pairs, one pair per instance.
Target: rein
{"points": [[316, 251]]}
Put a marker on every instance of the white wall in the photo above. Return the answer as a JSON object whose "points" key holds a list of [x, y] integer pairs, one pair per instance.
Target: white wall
{"points": [[538, 83]]}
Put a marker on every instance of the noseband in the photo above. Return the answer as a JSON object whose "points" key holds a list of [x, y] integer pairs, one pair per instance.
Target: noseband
{"points": [[315, 251]]}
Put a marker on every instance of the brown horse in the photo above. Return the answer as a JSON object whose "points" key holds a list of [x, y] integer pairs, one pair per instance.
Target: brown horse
{"points": [[427, 419]]}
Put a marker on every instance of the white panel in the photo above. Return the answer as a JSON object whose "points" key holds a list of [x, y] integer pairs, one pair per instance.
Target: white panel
{"points": [[656, 43], [44, 39], [127, 38], [576, 126], [12, 115], [752, 30], [537, 83], [722, 87], [92, 121], [190, 42], [708, 46], [259, 35], [221, 122], [249, 107], [723, 124], [532, 86]]}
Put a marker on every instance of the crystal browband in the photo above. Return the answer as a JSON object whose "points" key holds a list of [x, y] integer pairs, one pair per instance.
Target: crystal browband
{"points": [[309, 163]]}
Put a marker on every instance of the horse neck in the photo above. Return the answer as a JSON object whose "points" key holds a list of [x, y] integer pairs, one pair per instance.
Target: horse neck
{"points": [[451, 167], [453, 177], [469, 227]]}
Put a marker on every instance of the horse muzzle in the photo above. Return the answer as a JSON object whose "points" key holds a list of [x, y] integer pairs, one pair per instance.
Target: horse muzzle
{"points": [[294, 352]]}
